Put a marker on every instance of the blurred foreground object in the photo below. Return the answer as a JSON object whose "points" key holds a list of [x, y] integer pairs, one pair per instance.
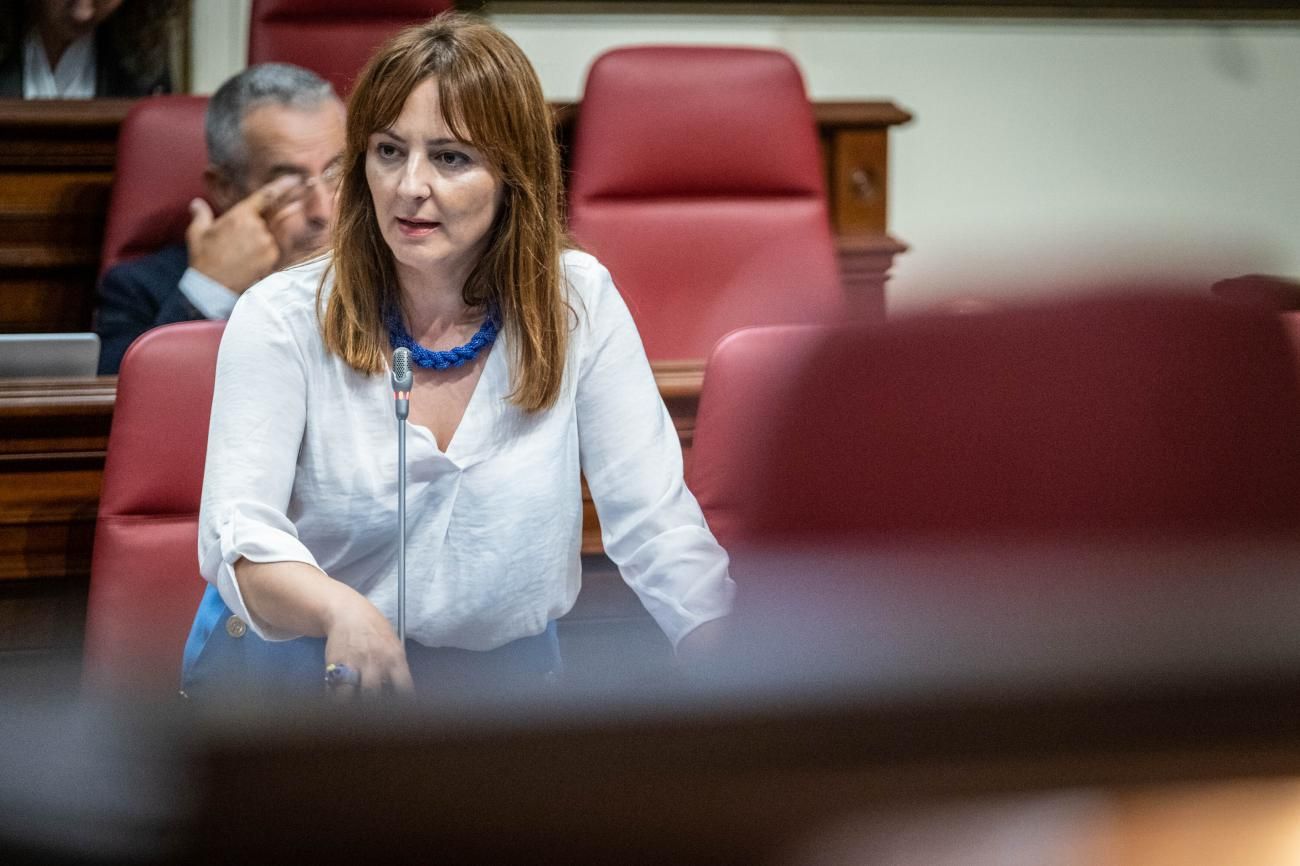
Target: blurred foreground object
{"points": [[1153, 416], [869, 692]]}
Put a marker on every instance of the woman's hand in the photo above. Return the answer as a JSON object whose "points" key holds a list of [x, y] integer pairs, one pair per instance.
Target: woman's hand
{"points": [[297, 597], [358, 635]]}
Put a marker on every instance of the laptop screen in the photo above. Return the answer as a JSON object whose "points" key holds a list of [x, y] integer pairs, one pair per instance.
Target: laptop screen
{"points": [[48, 355]]}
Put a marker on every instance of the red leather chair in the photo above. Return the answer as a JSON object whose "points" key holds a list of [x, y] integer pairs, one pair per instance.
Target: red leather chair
{"points": [[161, 156], [1262, 290], [144, 584], [696, 179], [1160, 416], [333, 38]]}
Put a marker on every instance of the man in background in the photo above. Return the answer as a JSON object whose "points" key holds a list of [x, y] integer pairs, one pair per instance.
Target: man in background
{"points": [[274, 136]]}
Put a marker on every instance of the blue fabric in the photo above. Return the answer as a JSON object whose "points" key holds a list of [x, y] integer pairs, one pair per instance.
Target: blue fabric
{"points": [[215, 662]]}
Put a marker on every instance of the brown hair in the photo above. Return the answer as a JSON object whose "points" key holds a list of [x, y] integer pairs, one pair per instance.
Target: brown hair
{"points": [[490, 97]]}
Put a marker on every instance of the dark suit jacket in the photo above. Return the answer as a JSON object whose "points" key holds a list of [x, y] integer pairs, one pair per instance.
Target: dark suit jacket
{"points": [[136, 296]]}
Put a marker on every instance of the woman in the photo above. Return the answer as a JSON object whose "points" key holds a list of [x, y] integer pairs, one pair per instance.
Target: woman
{"points": [[449, 236], [77, 49]]}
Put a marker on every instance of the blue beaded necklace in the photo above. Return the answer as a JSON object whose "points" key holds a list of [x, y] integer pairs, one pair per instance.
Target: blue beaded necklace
{"points": [[398, 336]]}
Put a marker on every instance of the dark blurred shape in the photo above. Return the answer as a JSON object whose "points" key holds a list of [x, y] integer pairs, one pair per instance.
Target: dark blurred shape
{"points": [[83, 784], [874, 684], [1153, 416], [976, 673], [144, 583], [333, 38], [1260, 290], [696, 179], [160, 161]]}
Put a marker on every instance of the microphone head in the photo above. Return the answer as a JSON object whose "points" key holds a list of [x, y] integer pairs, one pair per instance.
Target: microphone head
{"points": [[402, 369]]}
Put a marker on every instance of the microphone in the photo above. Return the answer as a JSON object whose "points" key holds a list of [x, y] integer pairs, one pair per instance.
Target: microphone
{"points": [[401, 380]]}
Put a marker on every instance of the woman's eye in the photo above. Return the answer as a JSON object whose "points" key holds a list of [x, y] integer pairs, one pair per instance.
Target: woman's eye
{"points": [[386, 150], [451, 158]]}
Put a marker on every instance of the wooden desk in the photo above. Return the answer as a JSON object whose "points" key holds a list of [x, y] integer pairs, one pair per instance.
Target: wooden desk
{"points": [[53, 434], [53, 437], [56, 171]]}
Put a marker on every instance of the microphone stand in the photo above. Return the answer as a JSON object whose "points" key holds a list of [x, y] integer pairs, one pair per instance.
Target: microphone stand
{"points": [[402, 402], [401, 529]]}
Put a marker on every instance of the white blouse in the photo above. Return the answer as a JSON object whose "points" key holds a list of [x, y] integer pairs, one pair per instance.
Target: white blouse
{"points": [[302, 466], [72, 78]]}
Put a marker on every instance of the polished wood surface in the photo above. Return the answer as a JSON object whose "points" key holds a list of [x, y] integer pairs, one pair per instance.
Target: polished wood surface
{"points": [[56, 172], [53, 438], [53, 435]]}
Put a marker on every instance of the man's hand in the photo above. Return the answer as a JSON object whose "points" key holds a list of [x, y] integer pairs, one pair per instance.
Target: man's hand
{"points": [[237, 248]]}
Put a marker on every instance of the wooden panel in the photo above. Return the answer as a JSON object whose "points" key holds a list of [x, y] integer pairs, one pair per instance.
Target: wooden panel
{"points": [[53, 436], [41, 300], [858, 165], [56, 163]]}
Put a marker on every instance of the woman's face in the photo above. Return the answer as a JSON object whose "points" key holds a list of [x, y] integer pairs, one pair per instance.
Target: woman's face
{"points": [[73, 18], [435, 196]]}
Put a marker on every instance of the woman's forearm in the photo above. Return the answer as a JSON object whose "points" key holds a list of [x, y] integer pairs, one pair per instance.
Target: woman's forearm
{"points": [[292, 596]]}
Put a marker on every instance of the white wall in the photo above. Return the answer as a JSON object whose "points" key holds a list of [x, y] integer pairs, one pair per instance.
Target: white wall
{"points": [[1041, 152], [219, 40]]}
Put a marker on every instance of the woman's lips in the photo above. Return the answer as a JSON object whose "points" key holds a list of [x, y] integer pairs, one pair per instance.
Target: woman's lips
{"points": [[416, 228]]}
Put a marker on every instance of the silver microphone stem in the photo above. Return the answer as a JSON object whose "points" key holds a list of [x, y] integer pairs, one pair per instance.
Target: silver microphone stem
{"points": [[401, 380], [401, 530]]}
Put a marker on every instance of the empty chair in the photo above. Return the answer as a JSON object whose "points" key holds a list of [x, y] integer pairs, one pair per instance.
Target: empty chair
{"points": [[145, 583], [1155, 416], [696, 180], [160, 161], [333, 38]]}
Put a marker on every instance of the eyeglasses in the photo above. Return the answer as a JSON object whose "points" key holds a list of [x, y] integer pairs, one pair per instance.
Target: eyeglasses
{"points": [[331, 177]]}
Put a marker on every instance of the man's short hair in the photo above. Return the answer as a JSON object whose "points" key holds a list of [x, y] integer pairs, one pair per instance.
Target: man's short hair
{"points": [[280, 84]]}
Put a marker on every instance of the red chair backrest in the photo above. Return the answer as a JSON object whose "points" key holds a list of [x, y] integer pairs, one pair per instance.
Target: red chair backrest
{"points": [[1092, 417], [696, 179], [161, 156], [333, 38], [145, 584]]}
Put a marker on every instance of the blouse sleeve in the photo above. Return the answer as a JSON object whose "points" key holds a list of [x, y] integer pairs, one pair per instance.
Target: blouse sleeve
{"points": [[651, 525], [259, 409]]}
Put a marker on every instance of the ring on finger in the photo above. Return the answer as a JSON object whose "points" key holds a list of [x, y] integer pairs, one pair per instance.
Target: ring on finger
{"points": [[341, 674]]}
